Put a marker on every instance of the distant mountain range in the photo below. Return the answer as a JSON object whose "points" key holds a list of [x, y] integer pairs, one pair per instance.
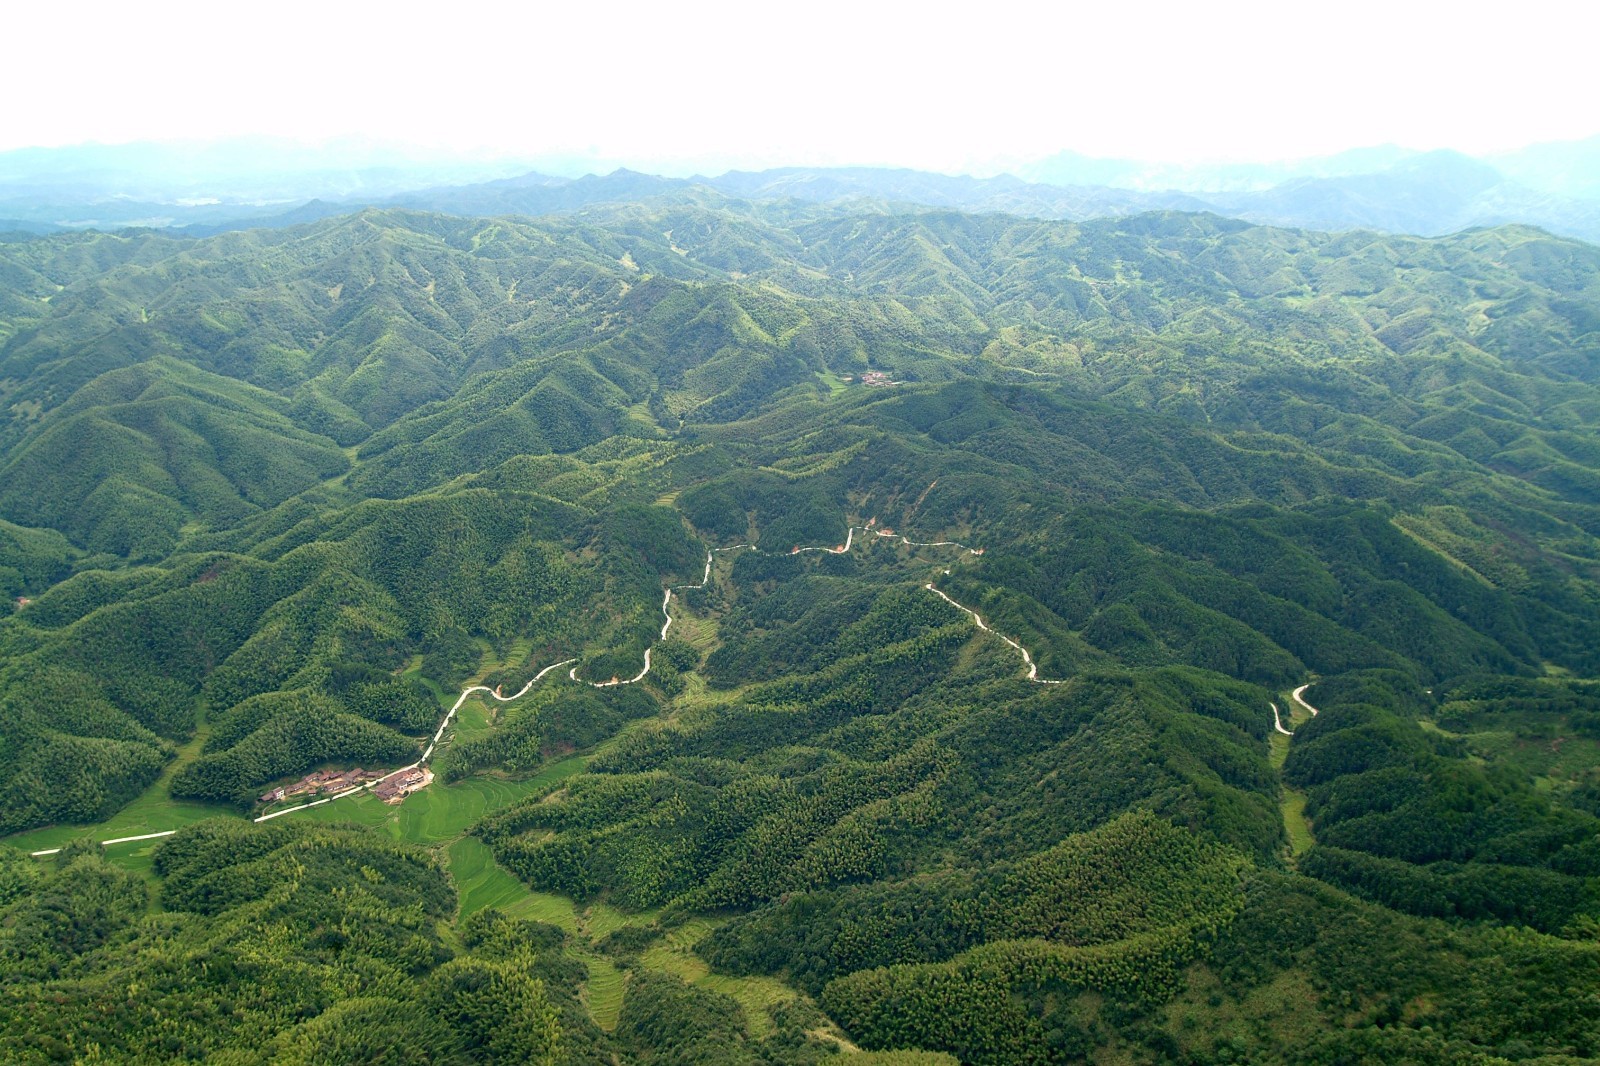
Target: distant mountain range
{"points": [[1037, 779], [210, 189]]}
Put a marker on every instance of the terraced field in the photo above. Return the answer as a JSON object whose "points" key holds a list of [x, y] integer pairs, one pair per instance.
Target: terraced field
{"points": [[545, 907], [480, 881], [757, 996], [603, 991]]}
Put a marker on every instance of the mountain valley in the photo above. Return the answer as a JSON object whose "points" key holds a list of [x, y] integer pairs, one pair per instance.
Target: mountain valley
{"points": [[1300, 530]]}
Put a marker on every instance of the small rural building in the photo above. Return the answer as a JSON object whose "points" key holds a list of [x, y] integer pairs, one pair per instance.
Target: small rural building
{"points": [[396, 788]]}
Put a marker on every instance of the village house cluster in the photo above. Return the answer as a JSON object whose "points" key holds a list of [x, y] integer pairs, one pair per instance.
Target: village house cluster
{"points": [[875, 378], [391, 789], [397, 787], [325, 782]]}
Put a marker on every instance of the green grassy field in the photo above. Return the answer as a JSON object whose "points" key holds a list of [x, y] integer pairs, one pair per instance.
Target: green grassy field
{"points": [[695, 629], [1290, 802], [1294, 715], [153, 812], [1277, 749], [757, 996], [546, 907], [1293, 805], [599, 920], [1545, 748], [440, 813], [474, 717], [832, 380], [138, 858], [149, 813], [602, 992], [480, 881], [413, 672]]}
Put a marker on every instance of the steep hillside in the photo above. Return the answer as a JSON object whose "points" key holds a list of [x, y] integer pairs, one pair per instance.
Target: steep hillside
{"points": [[871, 630]]}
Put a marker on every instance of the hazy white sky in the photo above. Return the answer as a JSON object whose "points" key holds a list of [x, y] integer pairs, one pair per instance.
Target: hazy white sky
{"points": [[968, 87]]}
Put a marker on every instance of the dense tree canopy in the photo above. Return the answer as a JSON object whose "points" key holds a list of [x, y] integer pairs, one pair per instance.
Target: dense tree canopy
{"points": [[269, 500]]}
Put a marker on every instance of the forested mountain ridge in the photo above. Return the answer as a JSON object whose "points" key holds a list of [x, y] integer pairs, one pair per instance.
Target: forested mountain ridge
{"points": [[1477, 347], [231, 186], [270, 495]]}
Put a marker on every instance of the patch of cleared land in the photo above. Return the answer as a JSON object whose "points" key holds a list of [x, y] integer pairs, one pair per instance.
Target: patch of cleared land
{"points": [[757, 996]]}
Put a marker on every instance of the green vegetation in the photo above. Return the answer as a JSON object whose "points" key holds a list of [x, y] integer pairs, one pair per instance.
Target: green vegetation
{"points": [[273, 498], [1405, 819], [602, 992], [1295, 825]]}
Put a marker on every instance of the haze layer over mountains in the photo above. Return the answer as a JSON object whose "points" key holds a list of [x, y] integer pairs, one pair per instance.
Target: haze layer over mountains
{"points": [[209, 186], [808, 616]]}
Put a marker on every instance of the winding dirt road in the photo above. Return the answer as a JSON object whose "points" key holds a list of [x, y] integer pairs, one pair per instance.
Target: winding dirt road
{"points": [[666, 605], [849, 541], [666, 610], [1277, 723], [114, 840], [1298, 695], [1033, 669], [428, 752], [838, 549]]}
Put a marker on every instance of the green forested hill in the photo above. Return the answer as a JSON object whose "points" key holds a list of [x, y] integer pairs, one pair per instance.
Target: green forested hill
{"points": [[269, 500]]}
